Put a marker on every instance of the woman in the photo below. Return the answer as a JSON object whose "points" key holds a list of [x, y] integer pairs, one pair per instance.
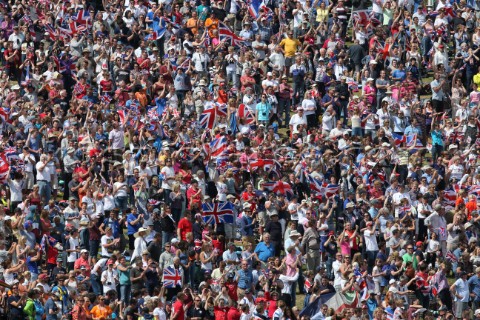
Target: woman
{"points": [[33, 309], [34, 196], [370, 91], [45, 224], [222, 188], [9, 270], [120, 194], [177, 199], [140, 244], [309, 106], [80, 310], [125, 283], [71, 283], [207, 257], [458, 91]]}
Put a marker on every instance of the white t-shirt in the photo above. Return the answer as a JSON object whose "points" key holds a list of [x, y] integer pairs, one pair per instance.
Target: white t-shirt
{"points": [[370, 240], [28, 165], [159, 314], [106, 240], [167, 172], [15, 190], [117, 138], [72, 256], [461, 288], [44, 174]]}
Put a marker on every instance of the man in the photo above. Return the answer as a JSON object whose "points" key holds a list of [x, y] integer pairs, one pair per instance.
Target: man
{"points": [[29, 162], [244, 280], [196, 311], [16, 303], [290, 46], [474, 285], [371, 246], [230, 256], [166, 258], [82, 262], [437, 93], [311, 245], [265, 249], [134, 222], [116, 141], [274, 228], [168, 179], [343, 98], [461, 294], [437, 223], [44, 177], [51, 308]]}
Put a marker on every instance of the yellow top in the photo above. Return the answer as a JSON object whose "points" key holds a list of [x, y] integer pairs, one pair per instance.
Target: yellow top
{"points": [[290, 46], [322, 15]]}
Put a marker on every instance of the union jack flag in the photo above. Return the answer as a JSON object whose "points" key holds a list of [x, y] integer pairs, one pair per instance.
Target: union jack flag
{"points": [[218, 146], [330, 189], [413, 140], [283, 188], [450, 196], [402, 211], [221, 109], [307, 285], [225, 33], [121, 115], [220, 212], [245, 113], [314, 183], [398, 139], [456, 136], [82, 17], [451, 256], [364, 17], [52, 34], [442, 231], [207, 118], [172, 277], [106, 99], [153, 202], [11, 153], [256, 6]]}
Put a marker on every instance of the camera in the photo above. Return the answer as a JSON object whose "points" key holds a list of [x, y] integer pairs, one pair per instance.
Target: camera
{"points": [[109, 283]]}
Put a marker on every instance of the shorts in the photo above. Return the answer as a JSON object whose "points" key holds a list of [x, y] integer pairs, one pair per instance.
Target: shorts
{"points": [[93, 248], [459, 308], [29, 180], [229, 230]]}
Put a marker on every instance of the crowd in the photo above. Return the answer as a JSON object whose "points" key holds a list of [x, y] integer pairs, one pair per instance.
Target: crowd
{"points": [[237, 160]]}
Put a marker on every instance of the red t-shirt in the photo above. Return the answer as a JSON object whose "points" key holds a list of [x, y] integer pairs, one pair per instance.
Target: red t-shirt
{"points": [[178, 309], [220, 313], [232, 289], [233, 314], [185, 227]]}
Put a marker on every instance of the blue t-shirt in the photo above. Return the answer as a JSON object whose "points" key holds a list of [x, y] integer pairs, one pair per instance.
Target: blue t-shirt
{"points": [[131, 229], [32, 265], [50, 305], [264, 252], [399, 74], [263, 111], [437, 138]]}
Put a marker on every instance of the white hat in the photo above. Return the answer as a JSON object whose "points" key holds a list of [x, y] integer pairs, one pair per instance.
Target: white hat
{"points": [[350, 205], [202, 82], [477, 312], [373, 62], [295, 233], [174, 240], [468, 225], [452, 146], [142, 229], [393, 289], [15, 87], [246, 205], [385, 144], [392, 281], [369, 79], [385, 99]]}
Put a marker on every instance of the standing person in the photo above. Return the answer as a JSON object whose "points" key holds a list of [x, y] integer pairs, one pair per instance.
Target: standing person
{"points": [[371, 246], [311, 245], [461, 293], [437, 93], [44, 177], [274, 228], [134, 222]]}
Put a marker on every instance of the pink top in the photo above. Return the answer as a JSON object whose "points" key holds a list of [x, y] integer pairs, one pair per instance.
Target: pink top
{"points": [[289, 261], [345, 247]]}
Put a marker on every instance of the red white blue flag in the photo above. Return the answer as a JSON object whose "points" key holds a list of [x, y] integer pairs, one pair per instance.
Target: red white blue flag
{"points": [[220, 212], [172, 277]]}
